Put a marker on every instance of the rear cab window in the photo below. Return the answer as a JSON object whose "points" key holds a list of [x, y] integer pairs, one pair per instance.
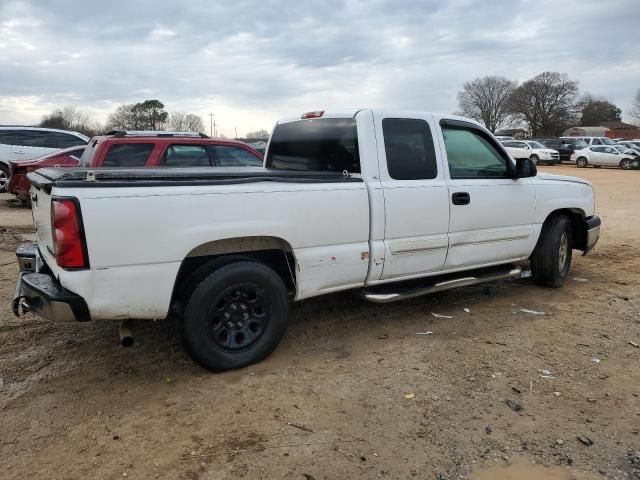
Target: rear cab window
{"points": [[316, 145]]}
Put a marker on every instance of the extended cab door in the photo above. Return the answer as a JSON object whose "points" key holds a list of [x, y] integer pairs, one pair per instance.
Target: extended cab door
{"points": [[491, 213], [415, 195]]}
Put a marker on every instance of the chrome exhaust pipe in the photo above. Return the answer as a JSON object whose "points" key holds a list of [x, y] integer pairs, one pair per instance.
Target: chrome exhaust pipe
{"points": [[126, 336]]}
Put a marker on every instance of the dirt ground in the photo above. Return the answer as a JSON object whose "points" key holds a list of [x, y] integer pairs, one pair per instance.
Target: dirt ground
{"points": [[352, 392]]}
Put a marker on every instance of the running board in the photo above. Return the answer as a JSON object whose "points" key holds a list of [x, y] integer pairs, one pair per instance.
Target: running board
{"points": [[440, 286]]}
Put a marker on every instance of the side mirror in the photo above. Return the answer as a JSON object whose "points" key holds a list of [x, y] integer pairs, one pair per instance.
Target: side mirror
{"points": [[525, 168]]}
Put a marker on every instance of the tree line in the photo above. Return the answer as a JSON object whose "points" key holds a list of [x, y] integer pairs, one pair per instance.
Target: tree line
{"points": [[146, 115], [149, 115], [546, 104]]}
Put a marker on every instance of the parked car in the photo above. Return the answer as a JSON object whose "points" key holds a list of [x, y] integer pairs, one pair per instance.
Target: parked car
{"points": [[504, 137], [19, 184], [604, 156], [167, 149], [533, 150], [352, 200], [564, 147], [25, 143], [592, 141], [627, 151], [630, 145]]}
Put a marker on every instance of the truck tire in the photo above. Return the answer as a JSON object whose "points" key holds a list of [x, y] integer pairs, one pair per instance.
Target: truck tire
{"points": [[551, 259], [4, 177], [236, 316], [582, 162]]}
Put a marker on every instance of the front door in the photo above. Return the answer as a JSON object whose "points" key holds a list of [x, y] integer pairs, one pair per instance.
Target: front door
{"points": [[415, 195], [491, 218]]}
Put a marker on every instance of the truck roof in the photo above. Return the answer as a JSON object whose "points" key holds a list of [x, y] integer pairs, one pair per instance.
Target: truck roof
{"points": [[352, 112]]}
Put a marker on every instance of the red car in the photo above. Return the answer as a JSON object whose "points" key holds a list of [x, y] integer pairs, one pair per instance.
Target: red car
{"points": [[141, 149], [166, 149], [18, 183]]}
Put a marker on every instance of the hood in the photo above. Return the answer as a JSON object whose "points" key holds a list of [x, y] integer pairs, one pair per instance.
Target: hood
{"points": [[562, 178]]}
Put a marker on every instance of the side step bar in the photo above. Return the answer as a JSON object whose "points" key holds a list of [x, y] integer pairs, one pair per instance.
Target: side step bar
{"points": [[388, 297]]}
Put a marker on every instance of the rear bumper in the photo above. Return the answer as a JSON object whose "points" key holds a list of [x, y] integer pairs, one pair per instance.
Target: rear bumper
{"points": [[40, 293], [592, 229]]}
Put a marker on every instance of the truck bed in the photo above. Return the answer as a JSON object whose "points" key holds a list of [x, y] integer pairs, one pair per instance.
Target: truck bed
{"points": [[47, 178]]}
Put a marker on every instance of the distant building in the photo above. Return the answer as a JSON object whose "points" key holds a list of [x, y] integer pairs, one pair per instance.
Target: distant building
{"points": [[518, 133], [605, 129]]}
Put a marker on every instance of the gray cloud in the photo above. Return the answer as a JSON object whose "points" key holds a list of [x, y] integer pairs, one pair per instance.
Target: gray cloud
{"points": [[251, 61]]}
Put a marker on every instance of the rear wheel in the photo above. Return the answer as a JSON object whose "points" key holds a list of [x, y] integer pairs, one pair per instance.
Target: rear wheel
{"points": [[4, 178], [236, 316], [551, 259], [582, 162], [626, 164]]}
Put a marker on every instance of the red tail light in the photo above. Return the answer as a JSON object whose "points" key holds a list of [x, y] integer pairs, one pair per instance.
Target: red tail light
{"points": [[68, 235]]}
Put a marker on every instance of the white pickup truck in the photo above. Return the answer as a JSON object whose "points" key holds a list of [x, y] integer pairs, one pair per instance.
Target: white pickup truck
{"points": [[391, 204]]}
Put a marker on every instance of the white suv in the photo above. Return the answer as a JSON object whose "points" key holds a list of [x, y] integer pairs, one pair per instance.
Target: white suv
{"points": [[531, 149], [26, 143]]}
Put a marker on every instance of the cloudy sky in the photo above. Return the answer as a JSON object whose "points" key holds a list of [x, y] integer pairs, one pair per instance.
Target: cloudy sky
{"points": [[249, 62]]}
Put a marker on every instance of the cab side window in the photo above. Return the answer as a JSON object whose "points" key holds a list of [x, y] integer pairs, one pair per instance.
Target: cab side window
{"points": [[128, 155], [235, 157], [471, 154], [187, 156]]}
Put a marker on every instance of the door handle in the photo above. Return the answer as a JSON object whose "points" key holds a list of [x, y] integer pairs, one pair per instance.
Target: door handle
{"points": [[460, 198]]}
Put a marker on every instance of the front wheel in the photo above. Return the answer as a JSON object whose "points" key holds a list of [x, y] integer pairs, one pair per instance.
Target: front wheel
{"points": [[4, 178], [626, 164], [551, 259], [236, 316], [582, 162]]}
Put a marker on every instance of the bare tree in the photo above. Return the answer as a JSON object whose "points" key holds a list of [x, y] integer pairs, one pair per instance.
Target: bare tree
{"points": [[259, 135], [122, 118], [185, 122], [486, 99], [194, 123], [176, 122], [70, 118], [635, 108], [547, 103]]}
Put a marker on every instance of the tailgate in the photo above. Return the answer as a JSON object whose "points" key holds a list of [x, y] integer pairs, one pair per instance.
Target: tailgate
{"points": [[41, 209]]}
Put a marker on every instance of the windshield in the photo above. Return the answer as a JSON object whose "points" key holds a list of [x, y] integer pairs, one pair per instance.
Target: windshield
{"points": [[608, 141], [620, 149], [536, 145]]}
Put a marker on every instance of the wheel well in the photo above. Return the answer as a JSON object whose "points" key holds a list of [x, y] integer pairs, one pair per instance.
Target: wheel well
{"points": [[576, 217], [202, 260]]}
